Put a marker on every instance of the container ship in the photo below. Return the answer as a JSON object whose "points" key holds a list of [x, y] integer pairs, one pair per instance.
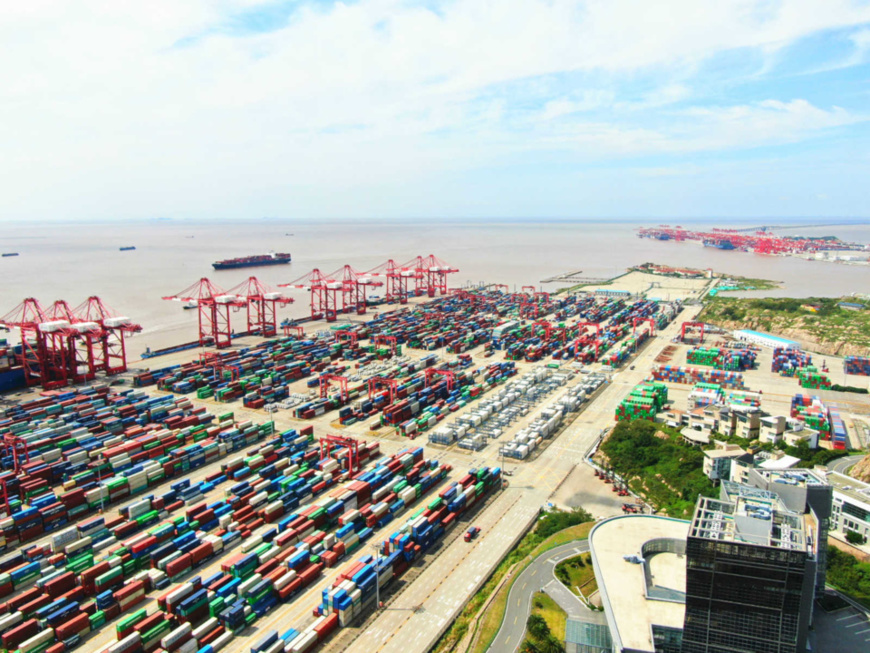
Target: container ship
{"points": [[719, 244], [128, 248], [251, 261]]}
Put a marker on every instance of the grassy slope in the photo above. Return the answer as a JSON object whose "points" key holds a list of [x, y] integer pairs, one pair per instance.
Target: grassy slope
{"points": [[831, 325], [551, 612]]}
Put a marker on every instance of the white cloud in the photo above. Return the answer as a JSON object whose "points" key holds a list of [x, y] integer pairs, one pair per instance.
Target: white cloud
{"points": [[99, 104]]}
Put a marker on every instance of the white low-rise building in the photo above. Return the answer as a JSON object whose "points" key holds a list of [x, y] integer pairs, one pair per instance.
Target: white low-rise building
{"points": [[764, 339], [717, 462], [851, 506]]}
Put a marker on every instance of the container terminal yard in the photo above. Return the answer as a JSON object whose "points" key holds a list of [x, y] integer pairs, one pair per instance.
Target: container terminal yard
{"points": [[308, 490]]}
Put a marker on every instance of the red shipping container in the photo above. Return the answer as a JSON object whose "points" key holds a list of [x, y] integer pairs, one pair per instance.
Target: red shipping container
{"points": [[266, 567], [129, 589], [23, 631], [178, 566], [200, 553], [291, 588], [29, 608], [73, 626], [326, 626], [25, 597], [213, 635], [149, 622]]}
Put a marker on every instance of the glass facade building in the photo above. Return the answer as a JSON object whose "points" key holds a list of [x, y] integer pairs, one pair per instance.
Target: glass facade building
{"points": [[749, 578]]}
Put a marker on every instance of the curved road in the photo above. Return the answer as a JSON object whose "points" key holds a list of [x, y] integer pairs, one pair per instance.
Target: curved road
{"points": [[519, 604], [843, 465]]}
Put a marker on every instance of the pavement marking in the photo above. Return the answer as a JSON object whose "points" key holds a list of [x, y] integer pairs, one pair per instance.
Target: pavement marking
{"points": [[515, 620], [524, 585]]}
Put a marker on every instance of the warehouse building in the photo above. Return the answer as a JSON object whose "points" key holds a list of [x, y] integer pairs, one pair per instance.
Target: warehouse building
{"points": [[765, 339]]}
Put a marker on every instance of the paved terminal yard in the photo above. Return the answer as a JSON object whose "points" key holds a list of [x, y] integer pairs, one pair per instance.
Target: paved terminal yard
{"points": [[432, 593]]}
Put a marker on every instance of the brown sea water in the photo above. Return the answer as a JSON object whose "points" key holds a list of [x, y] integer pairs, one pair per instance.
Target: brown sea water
{"points": [[72, 261]]}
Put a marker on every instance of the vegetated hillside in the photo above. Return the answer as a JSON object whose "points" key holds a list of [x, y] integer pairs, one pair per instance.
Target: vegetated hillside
{"points": [[861, 470], [659, 465], [817, 323]]}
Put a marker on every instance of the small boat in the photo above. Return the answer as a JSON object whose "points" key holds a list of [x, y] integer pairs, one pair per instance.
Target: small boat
{"points": [[189, 305], [10, 254], [127, 249]]}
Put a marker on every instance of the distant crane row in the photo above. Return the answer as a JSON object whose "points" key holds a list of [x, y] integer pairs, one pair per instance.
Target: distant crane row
{"points": [[341, 291], [62, 345]]}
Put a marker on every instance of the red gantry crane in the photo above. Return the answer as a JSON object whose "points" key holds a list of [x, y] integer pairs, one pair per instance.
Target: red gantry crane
{"points": [[214, 306], [326, 381], [81, 339], [262, 304], [331, 443], [39, 339], [110, 354], [641, 320], [325, 293], [431, 373], [354, 285], [688, 326], [377, 383], [397, 277]]}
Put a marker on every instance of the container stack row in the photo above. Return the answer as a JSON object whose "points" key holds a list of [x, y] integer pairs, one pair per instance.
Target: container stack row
{"points": [[354, 593], [644, 402], [731, 360], [839, 437], [86, 456], [425, 407], [812, 412], [811, 378], [693, 375], [859, 365], [789, 361]]}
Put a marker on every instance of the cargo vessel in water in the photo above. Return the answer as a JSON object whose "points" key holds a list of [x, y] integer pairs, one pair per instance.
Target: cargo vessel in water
{"points": [[719, 244], [252, 261]]}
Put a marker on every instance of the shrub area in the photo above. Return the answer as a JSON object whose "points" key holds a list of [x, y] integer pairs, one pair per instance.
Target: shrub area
{"points": [[657, 464]]}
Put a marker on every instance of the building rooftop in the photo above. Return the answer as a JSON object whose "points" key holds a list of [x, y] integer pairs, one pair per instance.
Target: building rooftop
{"points": [[781, 463], [724, 453], [768, 336], [850, 487], [753, 516], [622, 584], [796, 477]]}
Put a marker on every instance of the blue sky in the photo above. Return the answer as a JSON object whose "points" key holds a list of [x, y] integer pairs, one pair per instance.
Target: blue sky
{"points": [[392, 108]]}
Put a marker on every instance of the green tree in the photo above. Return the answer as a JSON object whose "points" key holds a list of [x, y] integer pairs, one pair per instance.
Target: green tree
{"points": [[855, 538], [529, 647], [552, 645], [537, 626]]}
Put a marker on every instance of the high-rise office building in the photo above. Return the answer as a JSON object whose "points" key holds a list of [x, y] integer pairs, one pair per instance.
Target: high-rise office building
{"points": [[750, 574]]}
